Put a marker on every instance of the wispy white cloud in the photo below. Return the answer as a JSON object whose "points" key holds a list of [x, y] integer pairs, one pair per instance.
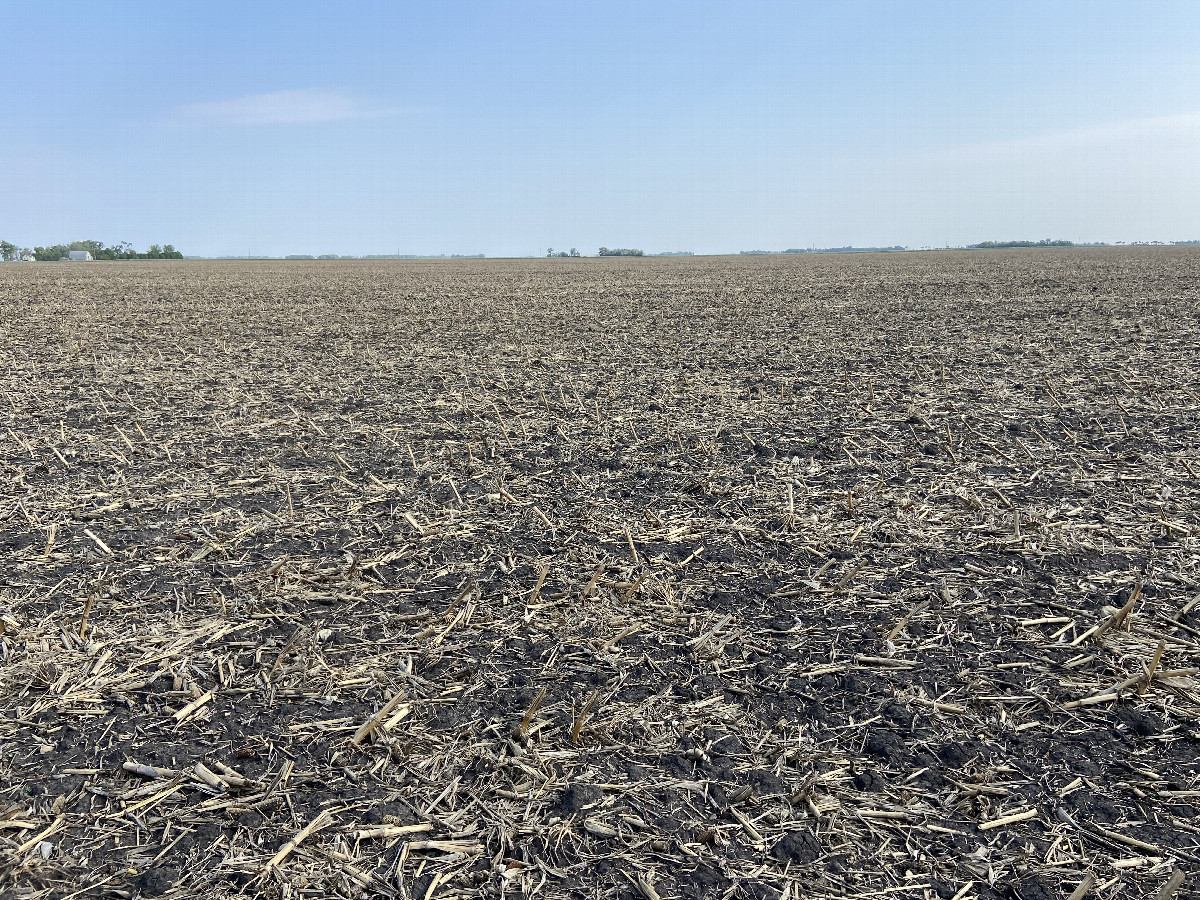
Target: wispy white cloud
{"points": [[307, 106], [1152, 136], [1132, 179]]}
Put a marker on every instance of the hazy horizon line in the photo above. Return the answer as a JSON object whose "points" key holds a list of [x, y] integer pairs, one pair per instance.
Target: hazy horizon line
{"points": [[846, 249]]}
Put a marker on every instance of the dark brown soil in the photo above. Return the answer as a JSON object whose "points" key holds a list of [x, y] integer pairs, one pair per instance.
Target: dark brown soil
{"points": [[759, 577]]}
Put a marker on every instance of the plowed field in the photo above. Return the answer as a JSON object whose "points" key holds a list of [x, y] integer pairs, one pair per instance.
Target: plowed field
{"points": [[750, 577]]}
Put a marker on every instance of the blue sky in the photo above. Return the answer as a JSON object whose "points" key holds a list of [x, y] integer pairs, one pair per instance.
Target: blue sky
{"points": [[507, 128]]}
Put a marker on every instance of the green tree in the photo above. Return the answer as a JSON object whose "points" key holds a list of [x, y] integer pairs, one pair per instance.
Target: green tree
{"points": [[8, 251], [120, 250], [96, 248]]}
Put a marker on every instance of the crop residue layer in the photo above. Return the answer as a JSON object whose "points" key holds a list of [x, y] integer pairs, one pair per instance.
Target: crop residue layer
{"points": [[760, 577]]}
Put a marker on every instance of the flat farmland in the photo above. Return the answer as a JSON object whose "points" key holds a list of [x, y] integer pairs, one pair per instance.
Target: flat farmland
{"points": [[745, 577]]}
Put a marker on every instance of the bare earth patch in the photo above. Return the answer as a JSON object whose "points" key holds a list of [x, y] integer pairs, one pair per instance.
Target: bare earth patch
{"points": [[768, 577]]}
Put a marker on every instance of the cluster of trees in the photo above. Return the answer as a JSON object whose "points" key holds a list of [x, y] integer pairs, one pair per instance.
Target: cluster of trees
{"points": [[604, 251], [123, 250], [1012, 245], [9, 252]]}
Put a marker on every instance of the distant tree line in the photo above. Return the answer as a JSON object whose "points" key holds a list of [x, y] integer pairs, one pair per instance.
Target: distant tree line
{"points": [[1012, 245], [849, 249], [846, 249], [604, 251], [562, 254], [407, 256], [123, 250]]}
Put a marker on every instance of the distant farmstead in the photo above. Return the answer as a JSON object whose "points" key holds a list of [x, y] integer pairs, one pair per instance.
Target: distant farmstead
{"points": [[27, 256], [79, 256]]}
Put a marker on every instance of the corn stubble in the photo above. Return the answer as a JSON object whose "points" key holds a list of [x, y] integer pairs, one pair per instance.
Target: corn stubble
{"points": [[760, 577]]}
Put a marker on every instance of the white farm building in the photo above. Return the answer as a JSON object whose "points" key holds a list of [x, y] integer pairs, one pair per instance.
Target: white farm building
{"points": [[80, 256]]}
